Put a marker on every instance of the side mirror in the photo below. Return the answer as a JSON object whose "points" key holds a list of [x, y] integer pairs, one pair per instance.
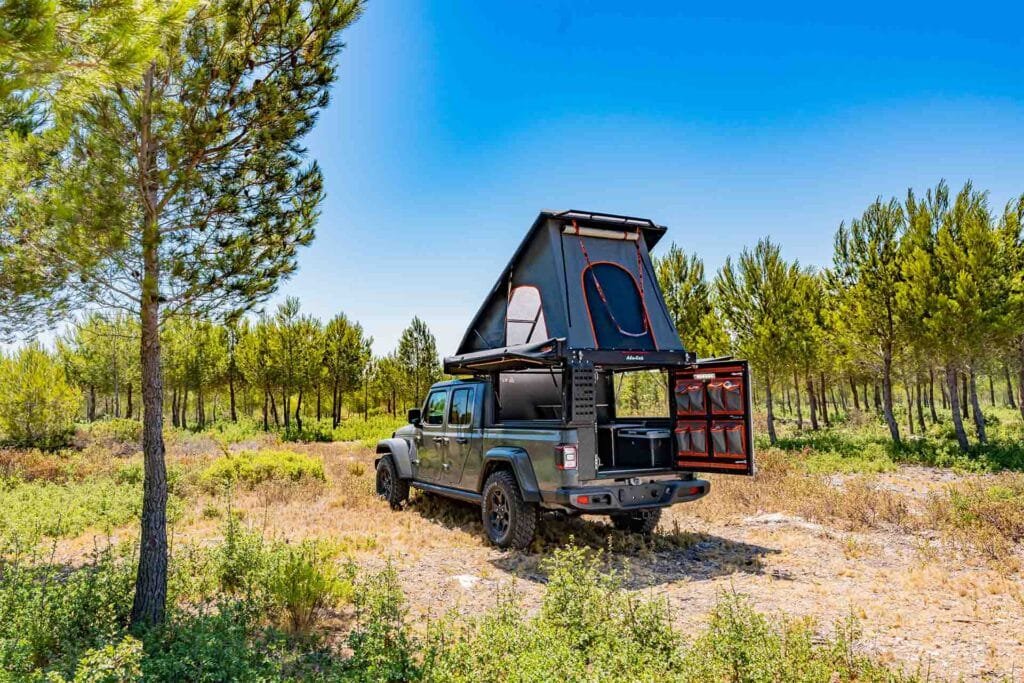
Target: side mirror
{"points": [[414, 416]]}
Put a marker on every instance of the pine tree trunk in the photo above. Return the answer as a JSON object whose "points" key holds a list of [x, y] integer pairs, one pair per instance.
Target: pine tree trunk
{"points": [[944, 387], [149, 604], [812, 402], [931, 395], [772, 436], [183, 409], [286, 405], [979, 417], [789, 404], [991, 391], [965, 403], [231, 397], [273, 410], [131, 408], [335, 412], [174, 408], [298, 412], [1010, 400], [917, 399], [877, 396], [890, 419], [91, 409], [266, 401], [856, 402], [865, 396], [954, 409], [799, 408], [910, 407], [824, 400], [318, 405]]}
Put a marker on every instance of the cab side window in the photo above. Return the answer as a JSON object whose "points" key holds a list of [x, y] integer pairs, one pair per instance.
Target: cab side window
{"points": [[460, 414], [435, 408]]}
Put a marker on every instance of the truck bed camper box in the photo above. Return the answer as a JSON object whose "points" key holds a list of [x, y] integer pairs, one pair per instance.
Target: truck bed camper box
{"points": [[577, 306]]}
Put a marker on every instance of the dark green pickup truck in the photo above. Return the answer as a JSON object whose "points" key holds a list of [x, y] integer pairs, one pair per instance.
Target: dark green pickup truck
{"points": [[578, 395]]}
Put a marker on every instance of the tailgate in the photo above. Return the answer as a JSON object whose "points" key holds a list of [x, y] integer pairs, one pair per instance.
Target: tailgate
{"points": [[711, 410]]}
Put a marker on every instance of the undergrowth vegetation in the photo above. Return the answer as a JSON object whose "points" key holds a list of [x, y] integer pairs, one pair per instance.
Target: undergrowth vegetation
{"points": [[267, 623], [251, 468]]}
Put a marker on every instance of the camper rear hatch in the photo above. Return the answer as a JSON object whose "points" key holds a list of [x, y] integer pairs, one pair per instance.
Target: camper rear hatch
{"points": [[711, 415]]}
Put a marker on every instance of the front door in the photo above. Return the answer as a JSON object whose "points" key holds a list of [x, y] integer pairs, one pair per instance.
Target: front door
{"points": [[464, 437], [430, 451]]}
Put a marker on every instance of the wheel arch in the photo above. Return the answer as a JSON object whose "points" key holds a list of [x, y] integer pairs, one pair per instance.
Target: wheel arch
{"points": [[400, 451], [514, 460]]}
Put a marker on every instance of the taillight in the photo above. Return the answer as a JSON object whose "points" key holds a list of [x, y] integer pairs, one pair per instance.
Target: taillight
{"points": [[565, 456]]}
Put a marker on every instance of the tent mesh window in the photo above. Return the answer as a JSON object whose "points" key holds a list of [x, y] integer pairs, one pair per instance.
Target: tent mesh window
{"points": [[525, 322], [616, 308]]}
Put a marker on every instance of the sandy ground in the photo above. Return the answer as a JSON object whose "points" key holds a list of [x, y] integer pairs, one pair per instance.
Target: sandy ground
{"points": [[920, 604]]}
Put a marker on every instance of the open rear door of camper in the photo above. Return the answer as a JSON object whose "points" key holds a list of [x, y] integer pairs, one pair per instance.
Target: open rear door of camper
{"points": [[711, 409]]}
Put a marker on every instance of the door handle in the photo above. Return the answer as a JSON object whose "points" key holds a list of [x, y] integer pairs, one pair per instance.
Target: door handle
{"points": [[461, 439], [440, 439]]}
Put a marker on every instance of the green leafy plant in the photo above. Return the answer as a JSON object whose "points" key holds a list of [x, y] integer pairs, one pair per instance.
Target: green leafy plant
{"points": [[251, 468], [37, 405]]}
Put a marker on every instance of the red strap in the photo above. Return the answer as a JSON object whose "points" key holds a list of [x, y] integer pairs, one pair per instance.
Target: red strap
{"points": [[600, 289]]}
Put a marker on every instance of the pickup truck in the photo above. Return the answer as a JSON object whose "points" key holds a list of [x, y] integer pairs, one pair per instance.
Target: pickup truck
{"points": [[458, 445], [575, 324]]}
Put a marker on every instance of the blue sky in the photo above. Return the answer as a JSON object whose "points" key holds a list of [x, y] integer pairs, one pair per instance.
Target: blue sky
{"points": [[453, 123]]}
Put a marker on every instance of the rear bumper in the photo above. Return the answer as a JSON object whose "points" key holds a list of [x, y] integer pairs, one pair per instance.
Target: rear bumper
{"points": [[624, 497]]}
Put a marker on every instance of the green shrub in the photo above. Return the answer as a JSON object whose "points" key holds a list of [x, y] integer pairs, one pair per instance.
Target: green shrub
{"points": [[295, 584], [383, 648], [312, 431], [119, 662], [304, 581], [229, 432], [114, 430], [367, 432], [740, 644], [52, 616], [37, 405], [30, 511], [250, 468]]}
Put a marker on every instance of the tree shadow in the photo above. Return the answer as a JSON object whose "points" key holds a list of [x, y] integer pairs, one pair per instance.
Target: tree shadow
{"points": [[670, 554]]}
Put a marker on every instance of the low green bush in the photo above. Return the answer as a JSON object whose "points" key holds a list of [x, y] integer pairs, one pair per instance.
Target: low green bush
{"points": [[54, 615], [251, 468], [114, 430], [295, 583], [367, 432], [30, 511], [229, 432]]}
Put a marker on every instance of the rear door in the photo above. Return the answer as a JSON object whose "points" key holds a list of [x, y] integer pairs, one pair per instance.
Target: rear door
{"points": [[711, 409], [464, 437]]}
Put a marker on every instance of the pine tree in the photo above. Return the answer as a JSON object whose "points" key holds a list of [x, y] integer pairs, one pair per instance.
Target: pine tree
{"points": [[417, 354], [184, 190], [688, 297], [759, 299], [867, 268], [346, 353]]}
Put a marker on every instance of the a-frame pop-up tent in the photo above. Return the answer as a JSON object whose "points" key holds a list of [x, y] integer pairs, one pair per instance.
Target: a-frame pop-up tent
{"points": [[580, 286]]}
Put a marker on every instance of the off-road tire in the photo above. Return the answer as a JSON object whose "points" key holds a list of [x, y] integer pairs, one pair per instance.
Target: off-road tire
{"points": [[638, 522], [389, 487], [509, 521]]}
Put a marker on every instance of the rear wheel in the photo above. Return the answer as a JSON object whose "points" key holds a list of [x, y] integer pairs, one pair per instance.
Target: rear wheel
{"points": [[389, 487], [509, 521], [638, 522]]}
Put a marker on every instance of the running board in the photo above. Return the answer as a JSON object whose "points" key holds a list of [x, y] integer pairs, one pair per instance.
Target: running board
{"points": [[468, 496]]}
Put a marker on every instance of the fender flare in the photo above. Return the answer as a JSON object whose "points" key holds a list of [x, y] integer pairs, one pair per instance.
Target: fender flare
{"points": [[519, 461], [401, 451]]}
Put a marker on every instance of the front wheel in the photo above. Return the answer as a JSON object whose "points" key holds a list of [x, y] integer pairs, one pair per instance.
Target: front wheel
{"points": [[389, 487], [638, 522], [510, 521]]}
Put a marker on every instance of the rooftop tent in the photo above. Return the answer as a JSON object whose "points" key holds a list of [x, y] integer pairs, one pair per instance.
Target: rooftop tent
{"points": [[578, 281]]}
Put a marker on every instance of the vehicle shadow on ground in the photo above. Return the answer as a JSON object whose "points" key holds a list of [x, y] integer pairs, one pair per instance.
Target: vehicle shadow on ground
{"points": [[670, 554]]}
